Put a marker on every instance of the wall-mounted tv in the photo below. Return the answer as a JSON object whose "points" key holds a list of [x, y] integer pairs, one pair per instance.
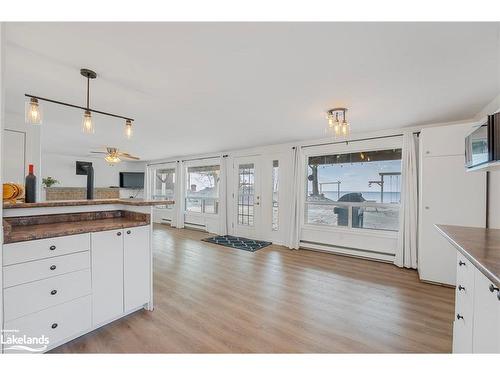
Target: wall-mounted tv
{"points": [[132, 180]]}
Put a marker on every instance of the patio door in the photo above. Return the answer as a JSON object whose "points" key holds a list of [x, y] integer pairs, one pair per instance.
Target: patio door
{"points": [[247, 210]]}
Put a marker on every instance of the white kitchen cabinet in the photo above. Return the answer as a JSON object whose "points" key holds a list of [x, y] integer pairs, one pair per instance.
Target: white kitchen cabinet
{"points": [[448, 195], [136, 267], [486, 331], [121, 264], [107, 275], [464, 302], [444, 140]]}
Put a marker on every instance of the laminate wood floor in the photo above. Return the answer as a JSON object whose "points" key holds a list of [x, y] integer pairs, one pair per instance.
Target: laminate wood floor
{"points": [[214, 299]]}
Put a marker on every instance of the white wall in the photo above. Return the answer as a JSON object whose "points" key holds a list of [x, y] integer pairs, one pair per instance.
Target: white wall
{"points": [[2, 96], [62, 168], [30, 155]]}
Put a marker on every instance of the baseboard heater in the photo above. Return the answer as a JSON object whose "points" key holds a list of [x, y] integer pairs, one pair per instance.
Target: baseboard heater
{"points": [[338, 249], [196, 226], [167, 220]]}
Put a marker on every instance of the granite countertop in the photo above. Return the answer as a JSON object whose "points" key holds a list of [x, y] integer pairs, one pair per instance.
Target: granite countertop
{"points": [[88, 202], [480, 245], [29, 228]]}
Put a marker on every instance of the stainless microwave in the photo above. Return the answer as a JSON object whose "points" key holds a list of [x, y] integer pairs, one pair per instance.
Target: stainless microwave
{"points": [[482, 145]]}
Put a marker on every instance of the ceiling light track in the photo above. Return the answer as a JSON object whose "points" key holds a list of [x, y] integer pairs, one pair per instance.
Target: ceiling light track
{"points": [[34, 114], [77, 106]]}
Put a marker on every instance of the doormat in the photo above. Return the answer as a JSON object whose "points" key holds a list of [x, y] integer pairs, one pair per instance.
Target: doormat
{"points": [[240, 243]]}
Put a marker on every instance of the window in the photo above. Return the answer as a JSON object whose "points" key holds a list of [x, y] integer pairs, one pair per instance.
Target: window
{"points": [[246, 191], [355, 190], [275, 208], [202, 189], [163, 185]]}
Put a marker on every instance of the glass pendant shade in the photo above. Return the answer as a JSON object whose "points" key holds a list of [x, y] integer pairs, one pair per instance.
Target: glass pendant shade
{"points": [[87, 123], [128, 129], [112, 159], [337, 123], [33, 112]]}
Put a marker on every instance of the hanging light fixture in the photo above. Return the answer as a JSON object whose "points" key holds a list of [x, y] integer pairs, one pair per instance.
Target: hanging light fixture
{"points": [[87, 123], [128, 129], [337, 123], [34, 113]]}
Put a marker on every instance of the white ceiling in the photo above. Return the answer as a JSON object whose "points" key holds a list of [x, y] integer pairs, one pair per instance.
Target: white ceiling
{"points": [[206, 87]]}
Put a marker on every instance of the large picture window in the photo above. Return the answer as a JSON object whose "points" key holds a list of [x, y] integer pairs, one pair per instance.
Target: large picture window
{"points": [[355, 190], [202, 189]]}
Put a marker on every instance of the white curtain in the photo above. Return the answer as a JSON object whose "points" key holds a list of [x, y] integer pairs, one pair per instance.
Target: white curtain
{"points": [[179, 191], [406, 253], [223, 199], [298, 176]]}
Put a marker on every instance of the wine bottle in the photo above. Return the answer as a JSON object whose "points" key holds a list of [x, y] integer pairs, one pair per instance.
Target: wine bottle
{"points": [[30, 187]]}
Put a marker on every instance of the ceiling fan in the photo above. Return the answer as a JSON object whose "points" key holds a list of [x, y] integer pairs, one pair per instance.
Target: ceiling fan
{"points": [[114, 156]]}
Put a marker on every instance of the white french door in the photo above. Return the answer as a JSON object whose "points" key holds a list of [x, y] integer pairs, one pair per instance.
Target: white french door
{"points": [[247, 197]]}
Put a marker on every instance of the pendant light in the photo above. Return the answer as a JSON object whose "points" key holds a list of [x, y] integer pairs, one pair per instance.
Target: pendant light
{"points": [[337, 123], [33, 112], [128, 129], [87, 123]]}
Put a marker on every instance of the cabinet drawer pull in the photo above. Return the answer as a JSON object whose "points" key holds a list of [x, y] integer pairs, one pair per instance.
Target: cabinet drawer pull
{"points": [[54, 326], [53, 292], [119, 233], [460, 287], [128, 232], [460, 263], [53, 247], [493, 288], [459, 316], [53, 267]]}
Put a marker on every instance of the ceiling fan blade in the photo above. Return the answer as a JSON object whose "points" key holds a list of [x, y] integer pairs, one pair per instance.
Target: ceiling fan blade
{"points": [[128, 156], [98, 152]]}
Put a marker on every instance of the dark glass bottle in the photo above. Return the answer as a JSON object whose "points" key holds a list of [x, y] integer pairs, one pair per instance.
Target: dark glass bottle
{"points": [[30, 195]]}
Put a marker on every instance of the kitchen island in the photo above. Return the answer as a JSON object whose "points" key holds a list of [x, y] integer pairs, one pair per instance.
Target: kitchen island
{"points": [[476, 328], [70, 267]]}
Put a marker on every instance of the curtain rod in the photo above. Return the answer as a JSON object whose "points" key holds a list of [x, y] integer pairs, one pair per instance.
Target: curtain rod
{"points": [[183, 160], [356, 140]]}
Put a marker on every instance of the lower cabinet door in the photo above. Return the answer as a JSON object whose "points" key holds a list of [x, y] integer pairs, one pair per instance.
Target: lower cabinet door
{"points": [[486, 337], [107, 275], [137, 265], [48, 328]]}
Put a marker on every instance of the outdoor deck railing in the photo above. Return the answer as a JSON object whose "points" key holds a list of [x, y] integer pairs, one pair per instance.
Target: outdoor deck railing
{"points": [[359, 215]]}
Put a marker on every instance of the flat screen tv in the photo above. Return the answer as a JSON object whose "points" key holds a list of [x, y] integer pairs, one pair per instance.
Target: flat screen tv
{"points": [[132, 180]]}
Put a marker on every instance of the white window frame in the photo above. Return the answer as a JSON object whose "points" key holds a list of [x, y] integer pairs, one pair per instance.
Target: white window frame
{"points": [[151, 169], [378, 144], [200, 163]]}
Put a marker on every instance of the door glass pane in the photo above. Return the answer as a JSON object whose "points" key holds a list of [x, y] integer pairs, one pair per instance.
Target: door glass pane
{"points": [[246, 175], [163, 185], [275, 213]]}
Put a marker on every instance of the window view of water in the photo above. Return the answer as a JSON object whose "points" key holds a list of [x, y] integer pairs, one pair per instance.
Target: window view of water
{"points": [[356, 190]]}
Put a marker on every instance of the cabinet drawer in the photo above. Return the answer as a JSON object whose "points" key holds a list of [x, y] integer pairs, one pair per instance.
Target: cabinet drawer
{"points": [[41, 269], [49, 247], [462, 334], [57, 323], [28, 298], [465, 271]]}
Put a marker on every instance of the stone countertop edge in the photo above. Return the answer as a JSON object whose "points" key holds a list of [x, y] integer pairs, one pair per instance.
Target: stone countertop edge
{"points": [[89, 202], [473, 249], [42, 231]]}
